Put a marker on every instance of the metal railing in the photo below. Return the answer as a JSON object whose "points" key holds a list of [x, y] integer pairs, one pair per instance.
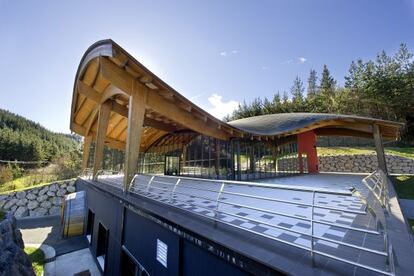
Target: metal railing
{"points": [[377, 183], [88, 174], [147, 185]]}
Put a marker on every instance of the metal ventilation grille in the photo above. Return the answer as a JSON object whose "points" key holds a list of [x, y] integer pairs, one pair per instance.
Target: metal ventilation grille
{"points": [[162, 252]]}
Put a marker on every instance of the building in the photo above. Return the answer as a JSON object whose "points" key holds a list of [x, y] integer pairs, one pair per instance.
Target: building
{"points": [[168, 140]]}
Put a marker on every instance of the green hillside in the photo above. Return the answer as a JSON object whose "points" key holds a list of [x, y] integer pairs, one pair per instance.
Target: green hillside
{"points": [[30, 154], [24, 140]]}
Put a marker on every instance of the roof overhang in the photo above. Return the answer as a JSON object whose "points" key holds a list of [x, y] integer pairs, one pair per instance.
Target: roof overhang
{"points": [[107, 73], [286, 124]]}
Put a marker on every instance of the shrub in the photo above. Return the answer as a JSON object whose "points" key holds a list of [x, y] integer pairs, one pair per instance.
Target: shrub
{"points": [[6, 174]]}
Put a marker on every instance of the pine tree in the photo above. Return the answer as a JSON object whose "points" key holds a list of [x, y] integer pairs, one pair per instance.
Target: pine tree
{"points": [[312, 84], [328, 83], [296, 91]]}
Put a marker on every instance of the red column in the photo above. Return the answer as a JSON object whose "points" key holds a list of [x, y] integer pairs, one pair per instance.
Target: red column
{"points": [[307, 144]]}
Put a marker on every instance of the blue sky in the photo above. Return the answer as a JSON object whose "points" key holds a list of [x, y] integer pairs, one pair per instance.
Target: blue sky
{"points": [[216, 53]]}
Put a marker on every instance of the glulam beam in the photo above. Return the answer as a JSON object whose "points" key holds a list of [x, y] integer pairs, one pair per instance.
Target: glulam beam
{"points": [[120, 78], [86, 150], [103, 119], [95, 96], [137, 99], [379, 148]]}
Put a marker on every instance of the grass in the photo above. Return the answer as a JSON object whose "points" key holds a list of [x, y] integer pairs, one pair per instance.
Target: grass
{"points": [[404, 186], [403, 152], [27, 181], [411, 222], [3, 190], [37, 257]]}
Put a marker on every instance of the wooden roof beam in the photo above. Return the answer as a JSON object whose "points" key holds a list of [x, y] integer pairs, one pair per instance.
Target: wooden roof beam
{"points": [[125, 82], [94, 95]]}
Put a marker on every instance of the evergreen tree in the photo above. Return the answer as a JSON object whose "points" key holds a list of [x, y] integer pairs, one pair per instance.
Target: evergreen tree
{"points": [[328, 83], [312, 84], [296, 91]]}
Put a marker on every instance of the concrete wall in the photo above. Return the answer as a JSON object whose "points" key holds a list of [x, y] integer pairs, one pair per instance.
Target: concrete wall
{"points": [[364, 163], [40, 201]]}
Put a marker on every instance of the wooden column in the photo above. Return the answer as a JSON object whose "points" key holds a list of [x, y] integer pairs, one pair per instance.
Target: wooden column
{"points": [[103, 118], [379, 148], [86, 149], [136, 113]]}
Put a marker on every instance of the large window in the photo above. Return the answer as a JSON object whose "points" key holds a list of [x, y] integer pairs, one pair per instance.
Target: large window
{"points": [[130, 266], [89, 226], [102, 246], [195, 155]]}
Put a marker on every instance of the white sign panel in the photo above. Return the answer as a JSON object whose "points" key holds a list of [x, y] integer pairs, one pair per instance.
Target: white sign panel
{"points": [[162, 252]]}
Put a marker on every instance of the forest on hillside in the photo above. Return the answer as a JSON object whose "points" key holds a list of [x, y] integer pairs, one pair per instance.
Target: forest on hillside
{"points": [[25, 140], [382, 88], [26, 146]]}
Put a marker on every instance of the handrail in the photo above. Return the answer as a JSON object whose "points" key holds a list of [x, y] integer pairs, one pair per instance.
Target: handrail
{"points": [[172, 192], [271, 199], [381, 193], [149, 189], [273, 212], [263, 185]]}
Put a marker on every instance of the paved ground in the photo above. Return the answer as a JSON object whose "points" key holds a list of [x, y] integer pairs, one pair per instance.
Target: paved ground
{"points": [[407, 205], [75, 262], [73, 255], [47, 230]]}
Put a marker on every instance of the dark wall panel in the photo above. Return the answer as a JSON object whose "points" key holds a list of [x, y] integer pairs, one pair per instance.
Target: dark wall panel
{"points": [[108, 212], [202, 263], [140, 238]]}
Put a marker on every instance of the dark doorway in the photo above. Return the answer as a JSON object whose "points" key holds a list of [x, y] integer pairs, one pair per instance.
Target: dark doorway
{"points": [[172, 165], [89, 226], [129, 266], [102, 247]]}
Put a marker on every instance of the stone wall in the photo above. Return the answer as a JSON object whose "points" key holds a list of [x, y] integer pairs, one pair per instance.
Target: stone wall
{"points": [[364, 163], [40, 201], [13, 260]]}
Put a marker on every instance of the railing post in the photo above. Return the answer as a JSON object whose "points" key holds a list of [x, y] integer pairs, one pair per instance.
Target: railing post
{"points": [[391, 263], [130, 183], [217, 204], [312, 229], [149, 183], [173, 190]]}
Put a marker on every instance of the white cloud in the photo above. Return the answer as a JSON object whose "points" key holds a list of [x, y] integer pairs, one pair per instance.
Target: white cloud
{"points": [[220, 108], [195, 97], [226, 53], [301, 60], [265, 67], [289, 61]]}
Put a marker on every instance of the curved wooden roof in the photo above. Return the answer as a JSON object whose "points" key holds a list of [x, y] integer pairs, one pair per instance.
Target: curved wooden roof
{"points": [[107, 73], [283, 124]]}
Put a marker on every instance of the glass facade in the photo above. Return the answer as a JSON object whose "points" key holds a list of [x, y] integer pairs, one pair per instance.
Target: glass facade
{"points": [[194, 155]]}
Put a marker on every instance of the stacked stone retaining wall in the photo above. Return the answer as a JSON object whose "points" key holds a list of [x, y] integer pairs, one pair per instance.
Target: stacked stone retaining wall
{"points": [[363, 163], [39, 201]]}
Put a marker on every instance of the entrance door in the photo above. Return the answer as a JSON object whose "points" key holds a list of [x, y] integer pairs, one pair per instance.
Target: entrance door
{"points": [[172, 165]]}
